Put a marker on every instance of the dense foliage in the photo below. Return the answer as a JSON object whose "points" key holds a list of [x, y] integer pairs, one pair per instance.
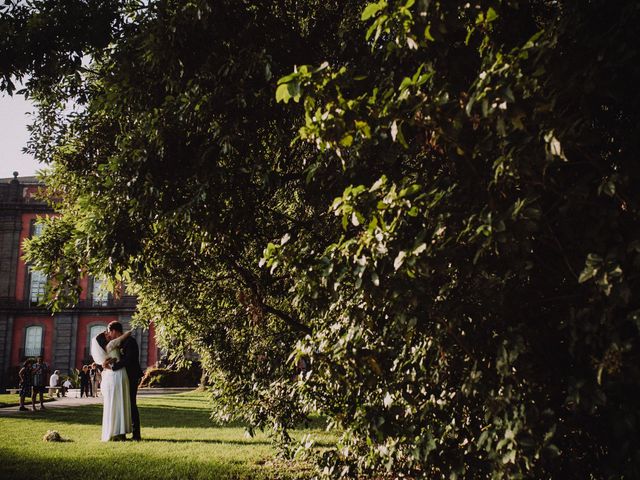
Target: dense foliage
{"points": [[417, 218]]}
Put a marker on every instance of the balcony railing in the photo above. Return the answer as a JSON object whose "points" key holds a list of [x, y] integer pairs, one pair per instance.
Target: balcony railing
{"points": [[124, 302]]}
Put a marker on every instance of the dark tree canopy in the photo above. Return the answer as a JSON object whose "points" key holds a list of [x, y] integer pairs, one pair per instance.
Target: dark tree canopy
{"points": [[417, 218]]}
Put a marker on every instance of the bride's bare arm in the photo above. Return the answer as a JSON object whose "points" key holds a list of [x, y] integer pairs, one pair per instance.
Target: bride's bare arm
{"points": [[124, 336], [116, 342]]}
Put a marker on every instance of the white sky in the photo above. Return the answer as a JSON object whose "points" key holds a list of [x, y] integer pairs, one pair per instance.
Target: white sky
{"points": [[14, 136]]}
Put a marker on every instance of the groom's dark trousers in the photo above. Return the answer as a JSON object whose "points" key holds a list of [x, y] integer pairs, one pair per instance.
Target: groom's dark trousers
{"points": [[130, 361]]}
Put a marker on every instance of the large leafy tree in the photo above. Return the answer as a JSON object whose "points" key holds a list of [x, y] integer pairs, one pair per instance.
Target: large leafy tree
{"points": [[434, 210], [480, 304], [175, 170]]}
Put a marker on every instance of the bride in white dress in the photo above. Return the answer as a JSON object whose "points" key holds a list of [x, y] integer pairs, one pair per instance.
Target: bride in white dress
{"points": [[116, 412]]}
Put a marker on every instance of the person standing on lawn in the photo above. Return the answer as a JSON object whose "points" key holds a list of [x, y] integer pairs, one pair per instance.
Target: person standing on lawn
{"points": [[26, 385], [85, 381], [130, 362], [116, 404], [94, 374], [40, 377], [54, 379], [66, 386]]}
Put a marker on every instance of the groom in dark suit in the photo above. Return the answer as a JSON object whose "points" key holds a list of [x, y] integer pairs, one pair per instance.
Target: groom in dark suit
{"points": [[130, 361]]}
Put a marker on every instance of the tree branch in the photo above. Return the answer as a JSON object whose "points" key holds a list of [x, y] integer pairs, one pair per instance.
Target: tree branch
{"points": [[288, 319], [250, 281]]}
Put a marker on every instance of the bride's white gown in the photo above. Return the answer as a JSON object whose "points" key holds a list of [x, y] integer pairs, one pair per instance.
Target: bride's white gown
{"points": [[116, 412]]}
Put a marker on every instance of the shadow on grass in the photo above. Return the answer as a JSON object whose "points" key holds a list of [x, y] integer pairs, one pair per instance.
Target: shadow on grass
{"points": [[151, 416], [314, 422], [135, 466], [182, 398], [212, 441]]}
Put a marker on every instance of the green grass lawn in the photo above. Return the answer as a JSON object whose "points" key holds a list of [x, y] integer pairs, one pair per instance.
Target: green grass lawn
{"points": [[13, 399], [179, 442]]}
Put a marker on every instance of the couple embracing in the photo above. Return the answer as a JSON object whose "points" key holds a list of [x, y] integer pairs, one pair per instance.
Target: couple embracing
{"points": [[118, 353]]}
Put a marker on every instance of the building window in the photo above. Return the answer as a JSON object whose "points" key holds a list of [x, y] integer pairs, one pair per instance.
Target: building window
{"points": [[37, 285], [33, 341], [37, 280], [99, 293], [37, 229]]}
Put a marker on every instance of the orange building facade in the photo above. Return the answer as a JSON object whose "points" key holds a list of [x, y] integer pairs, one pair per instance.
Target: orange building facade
{"points": [[28, 330]]}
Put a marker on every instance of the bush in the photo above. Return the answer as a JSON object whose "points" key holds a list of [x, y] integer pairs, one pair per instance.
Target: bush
{"points": [[167, 378]]}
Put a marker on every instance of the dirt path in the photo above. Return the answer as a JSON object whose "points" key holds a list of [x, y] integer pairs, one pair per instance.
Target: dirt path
{"points": [[62, 402], [72, 400]]}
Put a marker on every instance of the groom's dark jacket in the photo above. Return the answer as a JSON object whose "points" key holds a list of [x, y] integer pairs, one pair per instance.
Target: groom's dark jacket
{"points": [[129, 359]]}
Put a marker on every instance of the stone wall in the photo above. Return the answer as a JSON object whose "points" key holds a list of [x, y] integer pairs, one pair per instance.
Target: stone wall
{"points": [[6, 327], [64, 342], [10, 226], [10, 218]]}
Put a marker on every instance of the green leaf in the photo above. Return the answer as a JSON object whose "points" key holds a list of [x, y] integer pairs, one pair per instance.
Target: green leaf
{"points": [[409, 191], [396, 134], [294, 91], [282, 93], [397, 263], [608, 188], [553, 450], [554, 145], [364, 128], [509, 457], [482, 439], [427, 34], [347, 140], [470, 31], [372, 9], [591, 269], [287, 78], [378, 183], [419, 249], [491, 15]]}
